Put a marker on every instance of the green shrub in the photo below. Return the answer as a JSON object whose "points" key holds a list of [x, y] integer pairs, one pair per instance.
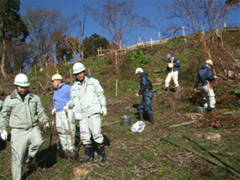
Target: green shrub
{"points": [[234, 90], [138, 59]]}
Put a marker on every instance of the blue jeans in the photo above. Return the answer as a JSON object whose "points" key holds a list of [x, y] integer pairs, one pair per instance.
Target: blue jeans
{"points": [[146, 103]]}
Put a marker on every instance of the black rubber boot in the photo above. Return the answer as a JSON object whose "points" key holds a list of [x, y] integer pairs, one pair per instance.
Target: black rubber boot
{"points": [[210, 110], [61, 152], [101, 151], [177, 90], [167, 89], [89, 152], [28, 159], [140, 116], [151, 118]]}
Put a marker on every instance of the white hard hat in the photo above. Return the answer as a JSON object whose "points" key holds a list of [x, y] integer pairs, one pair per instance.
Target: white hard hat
{"points": [[78, 67], [170, 65], [139, 70], [21, 80], [209, 61], [56, 77]]}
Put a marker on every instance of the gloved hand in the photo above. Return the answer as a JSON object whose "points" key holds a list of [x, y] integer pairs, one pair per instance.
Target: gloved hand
{"points": [[137, 94], [53, 111], [65, 108], [4, 135], [195, 89], [104, 111], [46, 125], [215, 77]]}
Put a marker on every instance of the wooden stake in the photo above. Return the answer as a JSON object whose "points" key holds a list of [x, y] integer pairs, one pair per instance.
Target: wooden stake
{"points": [[71, 78], [89, 72], [116, 88], [35, 70]]}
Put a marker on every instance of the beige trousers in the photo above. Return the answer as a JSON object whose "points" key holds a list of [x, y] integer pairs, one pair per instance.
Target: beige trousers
{"points": [[62, 127], [171, 75], [209, 97]]}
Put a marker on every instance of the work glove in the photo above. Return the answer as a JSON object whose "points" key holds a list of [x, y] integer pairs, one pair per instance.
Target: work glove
{"points": [[4, 135], [53, 111], [65, 108], [46, 126], [137, 94], [104, 111], [215, 77], [195, 89]]}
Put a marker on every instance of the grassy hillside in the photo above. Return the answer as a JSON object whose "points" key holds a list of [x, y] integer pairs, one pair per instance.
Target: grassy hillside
{"points": [[152, 153]]}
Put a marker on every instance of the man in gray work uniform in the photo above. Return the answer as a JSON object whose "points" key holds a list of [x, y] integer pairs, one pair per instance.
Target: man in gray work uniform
{"points": [[87, 96], [21, 111]]}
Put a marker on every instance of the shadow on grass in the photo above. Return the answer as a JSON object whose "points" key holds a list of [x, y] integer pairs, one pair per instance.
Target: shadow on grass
{"points": [[46, 158], [145, 115]]}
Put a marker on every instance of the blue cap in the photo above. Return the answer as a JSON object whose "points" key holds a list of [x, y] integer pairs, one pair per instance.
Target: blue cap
{"points": [[169, 55]]}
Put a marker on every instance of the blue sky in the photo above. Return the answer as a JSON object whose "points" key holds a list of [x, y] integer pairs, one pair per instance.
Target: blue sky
{"points": [[146, 8]]}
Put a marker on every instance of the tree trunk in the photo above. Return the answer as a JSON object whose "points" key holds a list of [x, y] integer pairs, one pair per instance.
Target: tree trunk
{"points": [[55, 64], [3, 60]]}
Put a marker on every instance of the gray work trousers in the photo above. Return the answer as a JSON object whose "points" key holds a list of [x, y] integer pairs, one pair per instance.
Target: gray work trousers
{"points": [[90, 126], [19, 141]]}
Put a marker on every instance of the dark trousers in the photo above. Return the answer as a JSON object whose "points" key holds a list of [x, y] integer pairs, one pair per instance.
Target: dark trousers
{"points": [[146, 103]]}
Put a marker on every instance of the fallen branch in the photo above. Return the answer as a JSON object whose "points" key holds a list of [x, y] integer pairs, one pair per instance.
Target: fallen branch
{"points": [[213, 155], [110, 123], [213, 161], [183, 124], [102, 176]]}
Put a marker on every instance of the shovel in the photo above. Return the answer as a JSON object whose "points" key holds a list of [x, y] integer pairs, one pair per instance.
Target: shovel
{"points": [[51, 127], [70, 131]]}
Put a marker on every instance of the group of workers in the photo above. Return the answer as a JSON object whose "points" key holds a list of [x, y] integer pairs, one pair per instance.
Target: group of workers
{"points": [[205, 76], [85, 102]]}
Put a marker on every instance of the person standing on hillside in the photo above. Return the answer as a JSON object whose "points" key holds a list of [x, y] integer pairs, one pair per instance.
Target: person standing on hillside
{"points": [[205, 76], [173, 72], [64, 125], [21, 112], [87, 96], [145, 90]]}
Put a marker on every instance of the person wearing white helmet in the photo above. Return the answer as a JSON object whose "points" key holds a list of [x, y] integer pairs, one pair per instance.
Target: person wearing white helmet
{"points": [[22, 110], [147, 94], [206, 76], [87, 96], [173, 67], [60, 98]]}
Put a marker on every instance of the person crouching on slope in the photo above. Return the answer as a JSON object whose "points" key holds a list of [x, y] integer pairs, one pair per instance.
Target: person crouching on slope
{"points": [[205, 76]]}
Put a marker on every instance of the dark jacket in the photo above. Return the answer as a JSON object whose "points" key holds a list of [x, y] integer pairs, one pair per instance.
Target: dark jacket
{"points": [[145, 84], [204, 75], [176, 66]]}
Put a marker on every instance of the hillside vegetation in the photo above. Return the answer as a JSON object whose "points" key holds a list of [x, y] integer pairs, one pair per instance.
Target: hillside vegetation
{"points": [[198, 150]]}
